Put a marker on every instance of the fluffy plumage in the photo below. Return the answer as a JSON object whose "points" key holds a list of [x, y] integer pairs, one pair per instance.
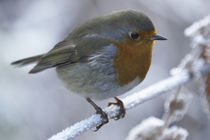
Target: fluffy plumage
{"points": [[99, 59]]}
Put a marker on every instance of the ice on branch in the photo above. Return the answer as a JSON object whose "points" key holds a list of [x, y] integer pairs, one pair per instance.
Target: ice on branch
{"points": [[176, 107], [153, 129], [149, 129], [199, 32], [174, 133]]}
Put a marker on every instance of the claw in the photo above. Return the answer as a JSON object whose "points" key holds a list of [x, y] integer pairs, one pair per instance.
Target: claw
{"points": [[104, 119], [104, 116], [122, 109]]}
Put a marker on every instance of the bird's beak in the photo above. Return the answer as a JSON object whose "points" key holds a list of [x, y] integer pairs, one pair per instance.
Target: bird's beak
{"points": [[158, 37]]}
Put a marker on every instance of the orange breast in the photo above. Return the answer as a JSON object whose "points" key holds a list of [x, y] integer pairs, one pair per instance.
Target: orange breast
{"points": [[132, 60]]}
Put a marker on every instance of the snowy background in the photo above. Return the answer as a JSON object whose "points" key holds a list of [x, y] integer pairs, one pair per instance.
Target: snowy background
{"points": [[37, 106]]}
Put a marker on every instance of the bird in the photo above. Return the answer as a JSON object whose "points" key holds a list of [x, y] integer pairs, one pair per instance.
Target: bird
{"points": [[102, 58]]}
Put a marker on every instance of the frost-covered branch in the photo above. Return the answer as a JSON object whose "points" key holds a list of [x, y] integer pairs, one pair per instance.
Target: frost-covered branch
{"points": [[154, 129], [199, 32], [191, 67], [131, 101]]}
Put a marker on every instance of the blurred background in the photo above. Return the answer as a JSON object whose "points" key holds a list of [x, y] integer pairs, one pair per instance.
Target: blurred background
{"points": [[34, 107]]}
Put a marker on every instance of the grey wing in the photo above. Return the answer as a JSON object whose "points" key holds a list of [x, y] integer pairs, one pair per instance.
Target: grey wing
{"points": [[65, 53]]}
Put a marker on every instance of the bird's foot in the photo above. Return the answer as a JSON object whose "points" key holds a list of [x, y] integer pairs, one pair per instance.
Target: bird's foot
{"points": [[99, 111], [104, 118], [122, 109]]}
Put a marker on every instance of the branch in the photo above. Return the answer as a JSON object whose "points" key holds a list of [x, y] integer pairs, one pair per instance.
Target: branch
{"points": [[131, 101]]}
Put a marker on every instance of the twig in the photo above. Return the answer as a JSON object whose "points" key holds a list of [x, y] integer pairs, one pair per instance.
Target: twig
{"points": [[168, 116], [199, 32], [132, 101]]}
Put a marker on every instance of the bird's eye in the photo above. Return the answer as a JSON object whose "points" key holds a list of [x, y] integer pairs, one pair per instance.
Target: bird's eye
{"points": [[134, 35]]}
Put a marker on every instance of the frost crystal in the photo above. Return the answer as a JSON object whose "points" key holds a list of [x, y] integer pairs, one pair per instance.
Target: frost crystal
{"points": [[174, 133], [149, 129], [153, 129], [176, 107]]}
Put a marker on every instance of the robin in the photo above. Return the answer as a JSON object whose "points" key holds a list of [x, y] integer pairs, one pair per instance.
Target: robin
{"points": [[102, 58]]}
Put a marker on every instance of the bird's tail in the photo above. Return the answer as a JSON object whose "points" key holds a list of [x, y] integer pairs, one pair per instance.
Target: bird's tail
{"points": [[27, 61]]}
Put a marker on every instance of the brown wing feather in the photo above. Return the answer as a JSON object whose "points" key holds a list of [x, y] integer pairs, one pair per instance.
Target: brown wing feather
{"points": [[54, 58], [65, 53], [27, 61]]}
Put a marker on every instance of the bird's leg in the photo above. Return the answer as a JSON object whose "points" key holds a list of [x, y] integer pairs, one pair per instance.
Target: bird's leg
{"points": [[122, 109], [99, 111]]}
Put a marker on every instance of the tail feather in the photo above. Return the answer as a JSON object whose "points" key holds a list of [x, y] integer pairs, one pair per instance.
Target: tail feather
{"points": [[26, 61]]}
